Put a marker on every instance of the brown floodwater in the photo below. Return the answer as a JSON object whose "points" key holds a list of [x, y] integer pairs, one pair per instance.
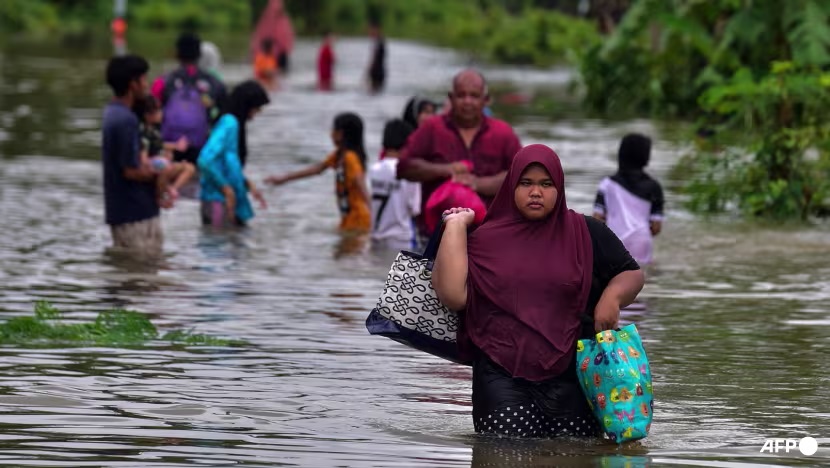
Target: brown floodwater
{"points": [[736, 322]]}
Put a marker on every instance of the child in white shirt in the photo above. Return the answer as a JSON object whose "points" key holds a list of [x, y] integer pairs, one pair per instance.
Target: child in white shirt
{"points": [[395, 202], [630, 201]]}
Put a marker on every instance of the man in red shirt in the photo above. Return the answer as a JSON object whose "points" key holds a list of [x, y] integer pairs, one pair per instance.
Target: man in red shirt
{"points": [[325, 64], [435, 150]]}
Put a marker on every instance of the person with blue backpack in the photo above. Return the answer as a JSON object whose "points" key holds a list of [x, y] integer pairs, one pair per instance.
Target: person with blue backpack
{"points": [[193, 100]]}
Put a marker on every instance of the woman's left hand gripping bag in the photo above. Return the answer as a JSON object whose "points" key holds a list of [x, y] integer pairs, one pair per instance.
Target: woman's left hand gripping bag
{"points": [[615, 377]]}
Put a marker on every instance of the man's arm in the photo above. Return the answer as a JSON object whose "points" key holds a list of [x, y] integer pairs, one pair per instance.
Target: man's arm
{"points": [[413, 164], [129, 153], [420, 170], [139, 174], [489, 186]]}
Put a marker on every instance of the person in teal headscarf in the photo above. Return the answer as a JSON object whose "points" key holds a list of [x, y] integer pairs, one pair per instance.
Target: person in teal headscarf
{"points": [[224, 186]]}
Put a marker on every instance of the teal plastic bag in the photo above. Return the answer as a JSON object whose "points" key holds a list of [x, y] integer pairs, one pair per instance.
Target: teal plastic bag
{"points": [[615, 377]]}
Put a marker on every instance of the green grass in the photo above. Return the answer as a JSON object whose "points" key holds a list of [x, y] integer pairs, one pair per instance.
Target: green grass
{"points": [[114, 328]]}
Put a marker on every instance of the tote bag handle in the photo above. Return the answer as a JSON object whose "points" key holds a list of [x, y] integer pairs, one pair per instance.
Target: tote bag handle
{"points": [[434, 242]]}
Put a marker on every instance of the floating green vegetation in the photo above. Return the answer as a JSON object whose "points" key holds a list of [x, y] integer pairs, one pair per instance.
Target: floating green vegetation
{"points": [[116, 327]]}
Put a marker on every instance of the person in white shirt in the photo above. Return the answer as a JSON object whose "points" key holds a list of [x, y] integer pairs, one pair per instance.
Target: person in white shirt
{"points": [[630, 201], [394, 202]]}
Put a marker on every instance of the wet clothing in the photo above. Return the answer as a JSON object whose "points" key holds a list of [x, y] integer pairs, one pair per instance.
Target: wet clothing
{"points": [[556, 402], [532, 287], [519, 408], [528, 281], [629, 201], [355, 213], [219, 166], [325, 67], [125, 200], [610, 258], [437, 140], [394, 205], [143, 236], [377, 69], [215, 214]]}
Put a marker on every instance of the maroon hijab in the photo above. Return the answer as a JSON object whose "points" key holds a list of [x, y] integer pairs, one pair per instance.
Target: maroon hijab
{"points": [[529, 280]]}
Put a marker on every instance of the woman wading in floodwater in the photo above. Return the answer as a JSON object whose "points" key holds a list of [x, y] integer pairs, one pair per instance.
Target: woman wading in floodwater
{"points": [[529, 282]]}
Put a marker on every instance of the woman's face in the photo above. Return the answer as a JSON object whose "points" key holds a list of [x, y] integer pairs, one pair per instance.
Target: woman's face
{"points": [[427, 112], [535, 195], [253, 112]]}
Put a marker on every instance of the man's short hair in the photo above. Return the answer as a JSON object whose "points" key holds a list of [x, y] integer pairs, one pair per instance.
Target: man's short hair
{"points": [[122, 70], [188, 47]]}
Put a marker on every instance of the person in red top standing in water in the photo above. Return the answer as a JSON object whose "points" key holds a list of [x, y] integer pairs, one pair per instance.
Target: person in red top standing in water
{"points": [[434, 153], [325, 64]]}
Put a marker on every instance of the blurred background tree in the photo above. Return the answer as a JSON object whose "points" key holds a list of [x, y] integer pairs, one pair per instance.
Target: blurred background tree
{"points": [[755, 76]]}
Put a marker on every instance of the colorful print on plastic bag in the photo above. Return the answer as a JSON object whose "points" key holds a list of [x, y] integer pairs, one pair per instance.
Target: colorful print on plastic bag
{"points": [[615, 376]]}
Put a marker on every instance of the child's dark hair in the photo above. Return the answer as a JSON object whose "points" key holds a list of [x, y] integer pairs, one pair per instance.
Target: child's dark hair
{"points": [[146, 106], [123, 70], [267, 44], [245, 97], [634, 152], [395, 134], [352, 127]]}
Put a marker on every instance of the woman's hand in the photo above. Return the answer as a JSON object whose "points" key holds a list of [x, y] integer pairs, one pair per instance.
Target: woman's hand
{"points": [[606, 315], [466, 216]]}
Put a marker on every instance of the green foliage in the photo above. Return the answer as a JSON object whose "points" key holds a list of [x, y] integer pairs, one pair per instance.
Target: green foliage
{"points": [[191, 14], [537, 37], [663, 55], [747, 67], [511, 31], [498, 30], [78, 15], [27, 15], [117, 327], [786, 176]]}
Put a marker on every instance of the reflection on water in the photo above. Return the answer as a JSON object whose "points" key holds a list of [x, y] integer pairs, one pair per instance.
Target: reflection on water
{"points": [[734, 316]]}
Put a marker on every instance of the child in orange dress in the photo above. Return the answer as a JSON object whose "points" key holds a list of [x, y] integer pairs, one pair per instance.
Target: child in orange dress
{"points": [[265, 65], [349, 162]]}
